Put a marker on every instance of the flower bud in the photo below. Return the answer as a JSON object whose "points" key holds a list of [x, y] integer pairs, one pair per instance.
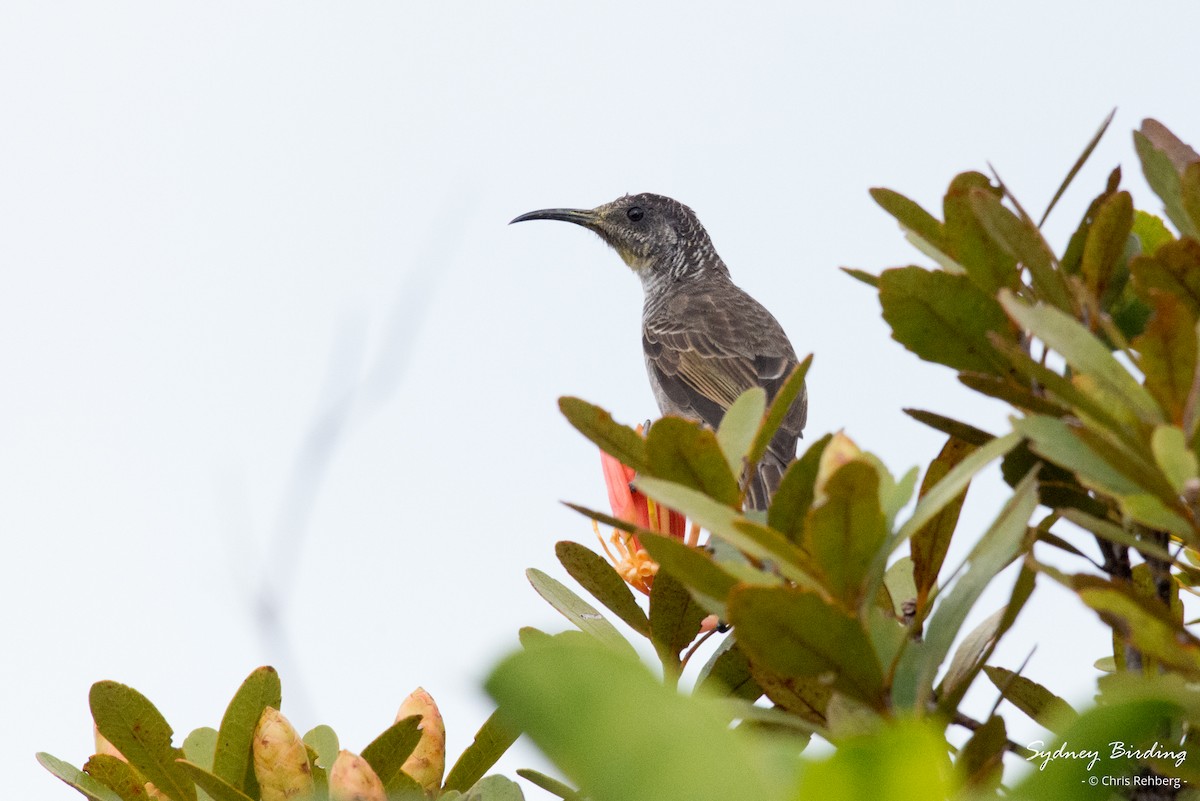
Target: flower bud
{"points": [[280, 759], [103, 746], [427, 762], [840, 451], [352, 779]]}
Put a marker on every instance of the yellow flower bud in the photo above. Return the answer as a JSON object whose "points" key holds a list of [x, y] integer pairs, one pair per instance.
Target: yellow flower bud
{"points": [[103, 746], [427, 762], [840, 451], [352, 779], [280, 759]]}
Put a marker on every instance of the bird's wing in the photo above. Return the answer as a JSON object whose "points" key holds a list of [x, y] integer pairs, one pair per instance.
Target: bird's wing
{"points": [[702, 354]]}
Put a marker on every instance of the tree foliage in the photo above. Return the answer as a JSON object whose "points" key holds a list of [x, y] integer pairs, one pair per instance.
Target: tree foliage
{"points": [[837, 614]]}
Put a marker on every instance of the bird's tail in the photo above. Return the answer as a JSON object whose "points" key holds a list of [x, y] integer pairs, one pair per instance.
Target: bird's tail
{"points": [[767, 476]]}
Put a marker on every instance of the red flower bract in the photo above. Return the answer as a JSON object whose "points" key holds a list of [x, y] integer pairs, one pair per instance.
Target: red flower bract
{"points": [[630, 559], [632, 506]]}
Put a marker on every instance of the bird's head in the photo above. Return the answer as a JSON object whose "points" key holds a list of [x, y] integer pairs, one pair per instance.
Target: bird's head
{"points": [[650, 232]]}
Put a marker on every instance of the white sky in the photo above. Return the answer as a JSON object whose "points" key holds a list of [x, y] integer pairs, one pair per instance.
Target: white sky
{"points": [[203, 208]]}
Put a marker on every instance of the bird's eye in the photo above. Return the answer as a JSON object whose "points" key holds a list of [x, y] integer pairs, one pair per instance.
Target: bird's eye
{"points": [[635, 213]]}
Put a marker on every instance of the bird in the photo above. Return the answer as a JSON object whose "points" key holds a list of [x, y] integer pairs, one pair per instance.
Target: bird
{"points": [[705, 340]]}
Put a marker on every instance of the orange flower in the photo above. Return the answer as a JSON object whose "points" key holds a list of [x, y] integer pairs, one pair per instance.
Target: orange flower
{"points": [[627, 555], [631, 561]]}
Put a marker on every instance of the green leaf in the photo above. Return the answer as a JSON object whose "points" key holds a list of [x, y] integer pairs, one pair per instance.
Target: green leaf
{"points": [[968, 657], [945, 261], [969, 434], [862, 275], [118, 775], [200, 746], [1146, 625], [85, 784], [1079, 162], [736, 432], [597, 576], [1135, 461], [898, 580], [1067, 396], [491, 741], [387, 753], [531, 637], [1146, 584], [781, 404], [324, 741], [793, 499], [1043, 706], [1150, 231], [968, 238], [1020, 239], [233, 761], [893, 495], [848, 718], [1177, 461], [944, 318], [999, 546], [1053, 439], [582, 614], [1130, 313], [622, 442], [844, 534], [1012, 392], [618, 709], [216, 787], [1072, 259], [722, 521], [552, 786], [930, 542], [694, 568], [320, 776], [607, 519], [904, 761], [1164, 178], [794, 633], [76, 778], [674, 618], [922, 229], [806, 698], [981, 759], [945, 491], [910, 215], [495, 788], [1057, 488], [1190, 193], [1086, 355], [1110, 531], [1106, 240], [1150, 511], [1174, 269], [979, 646], [1180, 153], [1168, 354], [728, 673], [131, 723], [685, 453]]}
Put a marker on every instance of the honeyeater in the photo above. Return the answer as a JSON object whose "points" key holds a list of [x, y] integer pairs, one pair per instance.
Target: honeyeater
{"points": [[705, 340]]}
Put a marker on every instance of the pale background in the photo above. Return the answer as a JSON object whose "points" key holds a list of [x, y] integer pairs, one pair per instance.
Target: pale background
{"points": [[220, 221]]}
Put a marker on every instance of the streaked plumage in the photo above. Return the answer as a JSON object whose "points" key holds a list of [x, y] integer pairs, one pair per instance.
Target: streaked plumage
{"points": [[705, 340]]}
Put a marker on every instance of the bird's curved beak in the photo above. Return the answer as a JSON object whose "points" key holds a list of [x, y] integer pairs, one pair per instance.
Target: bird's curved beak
{"points": [[584, 217]]}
